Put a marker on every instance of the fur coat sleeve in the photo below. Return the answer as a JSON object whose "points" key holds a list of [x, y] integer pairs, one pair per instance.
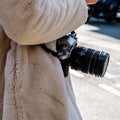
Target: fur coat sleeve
{"points": [[32, 84], [40, 21]]}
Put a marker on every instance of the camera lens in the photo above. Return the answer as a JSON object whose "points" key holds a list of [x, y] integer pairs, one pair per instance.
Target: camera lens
{"points": [[89, 61]]}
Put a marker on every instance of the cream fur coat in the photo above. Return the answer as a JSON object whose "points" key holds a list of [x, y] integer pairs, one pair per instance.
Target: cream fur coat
{"points": [[32, 85]]}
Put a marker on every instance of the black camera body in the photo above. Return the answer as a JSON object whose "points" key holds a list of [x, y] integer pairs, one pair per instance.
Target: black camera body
{"points": [[87, 60]]}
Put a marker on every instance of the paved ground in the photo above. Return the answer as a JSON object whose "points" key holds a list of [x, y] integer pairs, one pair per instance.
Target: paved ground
{"points": [[99, 98]]}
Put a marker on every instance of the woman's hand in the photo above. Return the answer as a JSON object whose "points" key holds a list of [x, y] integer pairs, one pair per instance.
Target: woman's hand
{"points": [[91, 1]]}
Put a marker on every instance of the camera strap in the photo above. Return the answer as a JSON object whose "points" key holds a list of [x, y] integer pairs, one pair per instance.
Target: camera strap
{"points": [[64, 63], [49, 50]]}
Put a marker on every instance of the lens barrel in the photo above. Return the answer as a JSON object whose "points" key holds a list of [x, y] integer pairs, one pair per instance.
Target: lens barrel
{"points": [[89, 61]]}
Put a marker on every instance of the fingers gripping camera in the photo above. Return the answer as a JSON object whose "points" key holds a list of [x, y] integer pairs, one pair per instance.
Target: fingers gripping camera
{"points": [[87, 60]]}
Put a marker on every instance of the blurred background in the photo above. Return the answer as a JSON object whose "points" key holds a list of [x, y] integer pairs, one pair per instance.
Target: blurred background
{"points": [[99, 98]]}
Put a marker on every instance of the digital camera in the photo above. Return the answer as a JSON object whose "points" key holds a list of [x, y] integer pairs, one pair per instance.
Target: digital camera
{"points": [[87, 60]]}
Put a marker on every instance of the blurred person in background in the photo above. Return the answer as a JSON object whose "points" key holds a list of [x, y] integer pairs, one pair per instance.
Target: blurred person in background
{"points": [[32, 84]]}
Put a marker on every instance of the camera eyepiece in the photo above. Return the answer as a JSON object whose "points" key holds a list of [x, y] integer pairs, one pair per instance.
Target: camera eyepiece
{"points": [[89, 61]]}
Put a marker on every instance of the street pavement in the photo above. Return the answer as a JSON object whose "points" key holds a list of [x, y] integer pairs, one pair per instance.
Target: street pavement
{"points": [[99, 98]]}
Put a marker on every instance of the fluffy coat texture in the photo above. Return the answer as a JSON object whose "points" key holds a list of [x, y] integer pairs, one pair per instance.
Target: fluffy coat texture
{"points": [[32, 84]]}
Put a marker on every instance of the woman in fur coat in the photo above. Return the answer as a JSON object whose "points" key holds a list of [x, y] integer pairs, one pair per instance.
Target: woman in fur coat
{"points": [[32, 84]]}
